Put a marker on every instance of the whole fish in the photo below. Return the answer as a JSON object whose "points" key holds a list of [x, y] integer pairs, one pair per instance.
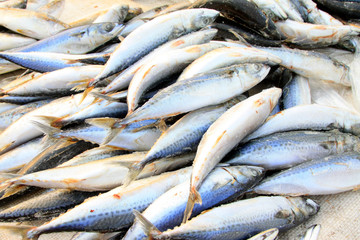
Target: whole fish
{"points": [[161, 67], [287, 149], [183, 136], [56, 83], [198, 92], [314, 35], [329, 175], [314, 117], [224, 134], [30, 23], [115, 210], [221, 184], [11, 40], [48, 61], [312, 65], [99, 175], [296, 92], [227, 56], [158, 31], [124, 78], [239, 220]]}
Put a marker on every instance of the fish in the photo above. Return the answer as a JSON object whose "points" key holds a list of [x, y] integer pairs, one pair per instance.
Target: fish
{"points": [[312, 65], [330, 175], [224, 134], [131, 138], [287, 149], [115, 210], [346, 9], [48, 61], [272, 9], [158, 31], [227, 56], [99, 175], [307, 35], [221, 184], [182, 136], [161, 67], [314, 117], [55, 83], [217, 89], [124, 78], [240, 219]]}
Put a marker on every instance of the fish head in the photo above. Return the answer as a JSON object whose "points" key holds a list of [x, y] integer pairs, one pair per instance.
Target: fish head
{"points": [[257, 70], [240, 173], [303, 208], [110, 29], [204, 18]]}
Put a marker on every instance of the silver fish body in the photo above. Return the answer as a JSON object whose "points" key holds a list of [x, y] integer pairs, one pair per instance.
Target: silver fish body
{"points": [[221, 184], [314, 117], [227, 56], [115, 210], [287, 149], [225, 133], [244, 218], [296, 92], [124, 78], [201, 92], [330, 175], [158, 31]]}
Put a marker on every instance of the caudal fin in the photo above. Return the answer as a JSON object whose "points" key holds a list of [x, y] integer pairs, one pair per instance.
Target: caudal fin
{"points": [[149, 229], [194, 197], [134, 171]]}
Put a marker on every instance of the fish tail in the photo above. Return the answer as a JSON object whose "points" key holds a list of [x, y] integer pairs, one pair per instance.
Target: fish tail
{"points": [[194, 197], [85, 93], [33, 234], [149, 229], [134, 171], [47, 129]]}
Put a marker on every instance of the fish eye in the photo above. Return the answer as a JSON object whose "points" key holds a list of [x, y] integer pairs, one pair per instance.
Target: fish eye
{"points": [[109, 27]]}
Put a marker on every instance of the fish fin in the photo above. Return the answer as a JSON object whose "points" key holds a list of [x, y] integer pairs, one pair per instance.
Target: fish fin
{"points": [[7, 146], [194, 197], [9, 175], [79, 81], [48, 130], [121, 38], [149, 229], [85, 93], [105, 122], [133, 173], [162, 125], [105, 97], [111, 135], [80, 87]]}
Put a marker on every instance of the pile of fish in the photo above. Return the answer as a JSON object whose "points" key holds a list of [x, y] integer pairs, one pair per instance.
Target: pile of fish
{"points": [[203, 120]]}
